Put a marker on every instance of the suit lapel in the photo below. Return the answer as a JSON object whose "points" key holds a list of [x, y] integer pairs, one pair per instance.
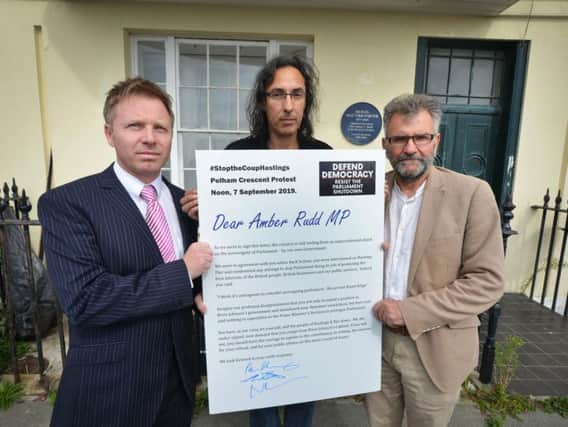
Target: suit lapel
{"points": [[431, 204], [122, 204], [182, 217]]}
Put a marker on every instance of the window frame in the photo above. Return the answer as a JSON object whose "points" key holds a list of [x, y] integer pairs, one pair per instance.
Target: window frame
{"points": [[175, 167]]}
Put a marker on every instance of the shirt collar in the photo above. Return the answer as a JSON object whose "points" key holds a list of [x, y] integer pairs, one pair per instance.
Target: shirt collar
{"points": [[132, 184], [400, 195]]}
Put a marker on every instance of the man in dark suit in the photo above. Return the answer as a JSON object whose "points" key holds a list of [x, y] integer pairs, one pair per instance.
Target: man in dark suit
{"points": [[123, 259]]}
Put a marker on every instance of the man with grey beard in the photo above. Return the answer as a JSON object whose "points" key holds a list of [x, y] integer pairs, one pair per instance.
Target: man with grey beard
{"points": [[443, 266]]}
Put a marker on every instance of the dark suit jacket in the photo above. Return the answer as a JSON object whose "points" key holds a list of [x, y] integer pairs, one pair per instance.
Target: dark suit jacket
{"points": [[127, 310]]}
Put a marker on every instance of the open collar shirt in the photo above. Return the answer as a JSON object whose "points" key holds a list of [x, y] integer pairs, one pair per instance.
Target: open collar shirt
{"points": [[400, 232]]}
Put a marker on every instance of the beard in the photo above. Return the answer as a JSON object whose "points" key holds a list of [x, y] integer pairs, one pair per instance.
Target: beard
{"points": [[411, 174]]}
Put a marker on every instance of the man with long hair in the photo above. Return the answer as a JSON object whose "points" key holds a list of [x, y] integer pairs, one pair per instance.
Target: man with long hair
{"points": [[281, 111]]}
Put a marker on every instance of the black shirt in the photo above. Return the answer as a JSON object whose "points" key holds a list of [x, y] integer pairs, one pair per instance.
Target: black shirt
{"points": [[252, 143]]}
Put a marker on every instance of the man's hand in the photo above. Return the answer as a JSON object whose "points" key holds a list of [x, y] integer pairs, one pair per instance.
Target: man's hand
{"points": [[200, 304], [198, 258], [189, 204], [388, 312]]}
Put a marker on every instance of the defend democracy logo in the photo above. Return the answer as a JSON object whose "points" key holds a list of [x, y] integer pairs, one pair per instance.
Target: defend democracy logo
{"points": [[347, 178]]}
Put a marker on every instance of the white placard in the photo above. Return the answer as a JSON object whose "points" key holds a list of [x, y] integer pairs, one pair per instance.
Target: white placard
{"points": [[297, 266]]}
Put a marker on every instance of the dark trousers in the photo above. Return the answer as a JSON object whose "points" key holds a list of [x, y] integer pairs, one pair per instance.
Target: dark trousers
{"points": [[298, 415], [176, 408]]}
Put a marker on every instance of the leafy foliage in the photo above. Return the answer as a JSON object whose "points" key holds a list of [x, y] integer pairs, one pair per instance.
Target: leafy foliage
{"points": [[22, 348], [558, 404], [9, 394], [201, 401], [495, 403], [51, 396]]}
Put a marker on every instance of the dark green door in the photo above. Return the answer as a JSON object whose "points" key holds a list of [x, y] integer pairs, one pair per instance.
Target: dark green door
{"points": [[479, 84], [470, 140]]}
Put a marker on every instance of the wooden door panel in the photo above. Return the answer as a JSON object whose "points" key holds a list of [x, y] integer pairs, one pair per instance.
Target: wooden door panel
{"points": [[469, 142]]}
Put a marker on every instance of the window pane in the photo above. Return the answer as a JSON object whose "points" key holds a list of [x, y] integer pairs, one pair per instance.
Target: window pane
{"points": [[193, 64], [497, 78], [190, 143], [223, 65], [243, 117], [459, 77], [437, 75], [251, 61], [193, 108], [442, 99], [293, 50], [189, 179], [484, 54], [479, 101], [482, 77], [166, 173], [152, 60], [223, 109], [462, 52], [439, 51], [220, 140], [457, 100]]}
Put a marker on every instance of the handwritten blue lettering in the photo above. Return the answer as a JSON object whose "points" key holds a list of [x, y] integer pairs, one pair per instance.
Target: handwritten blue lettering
{"points": [[273, 222], [269, 376], [337, 216], [314, 220], [222, 222]]}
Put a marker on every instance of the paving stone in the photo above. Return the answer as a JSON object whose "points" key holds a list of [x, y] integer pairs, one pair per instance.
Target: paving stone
{"points": [[542, 373], [531, 387]]}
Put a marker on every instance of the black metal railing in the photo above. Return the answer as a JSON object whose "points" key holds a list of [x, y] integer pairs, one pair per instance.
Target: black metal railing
{"points": [[555, 229], [27, 297], [488, 353]]}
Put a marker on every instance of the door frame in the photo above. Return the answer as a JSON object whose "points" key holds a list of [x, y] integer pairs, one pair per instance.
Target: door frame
{"points": [[506, 162]]}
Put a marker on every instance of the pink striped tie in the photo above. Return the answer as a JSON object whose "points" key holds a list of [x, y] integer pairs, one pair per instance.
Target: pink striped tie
{"points": [[156, 220]]}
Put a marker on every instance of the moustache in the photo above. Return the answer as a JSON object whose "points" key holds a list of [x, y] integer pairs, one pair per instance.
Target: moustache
{"points": [[403, 157]]}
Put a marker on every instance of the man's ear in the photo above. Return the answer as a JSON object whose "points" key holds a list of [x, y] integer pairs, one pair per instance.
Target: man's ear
{"points": [[108, 134], [384, 143], [438, 139]]}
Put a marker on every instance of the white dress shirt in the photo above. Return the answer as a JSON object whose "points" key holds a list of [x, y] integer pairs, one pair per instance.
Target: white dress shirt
{"points": [[400, 232], [134, 186]]}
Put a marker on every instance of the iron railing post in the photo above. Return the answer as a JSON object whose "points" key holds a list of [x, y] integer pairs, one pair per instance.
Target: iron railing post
{"points": [[25, 207], [488, 355], [557, 202], [16, 198], [560, 263], [8, 303], [539, 244]]}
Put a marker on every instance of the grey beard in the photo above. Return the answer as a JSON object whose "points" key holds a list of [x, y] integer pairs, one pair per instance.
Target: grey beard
{"points": [[411, 176]]}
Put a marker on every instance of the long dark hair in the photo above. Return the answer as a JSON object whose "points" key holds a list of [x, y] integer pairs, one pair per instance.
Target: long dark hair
{"points": [[257, 100]]}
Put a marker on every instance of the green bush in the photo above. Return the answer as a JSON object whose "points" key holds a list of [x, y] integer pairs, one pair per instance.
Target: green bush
{"points": [[51, 396], [201, 401], [558, 404], [22, 348], [9, 394], [495, 403]]}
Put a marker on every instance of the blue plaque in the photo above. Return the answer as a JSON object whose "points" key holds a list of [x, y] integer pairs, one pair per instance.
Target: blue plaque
{"points": [[361, 123]]}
